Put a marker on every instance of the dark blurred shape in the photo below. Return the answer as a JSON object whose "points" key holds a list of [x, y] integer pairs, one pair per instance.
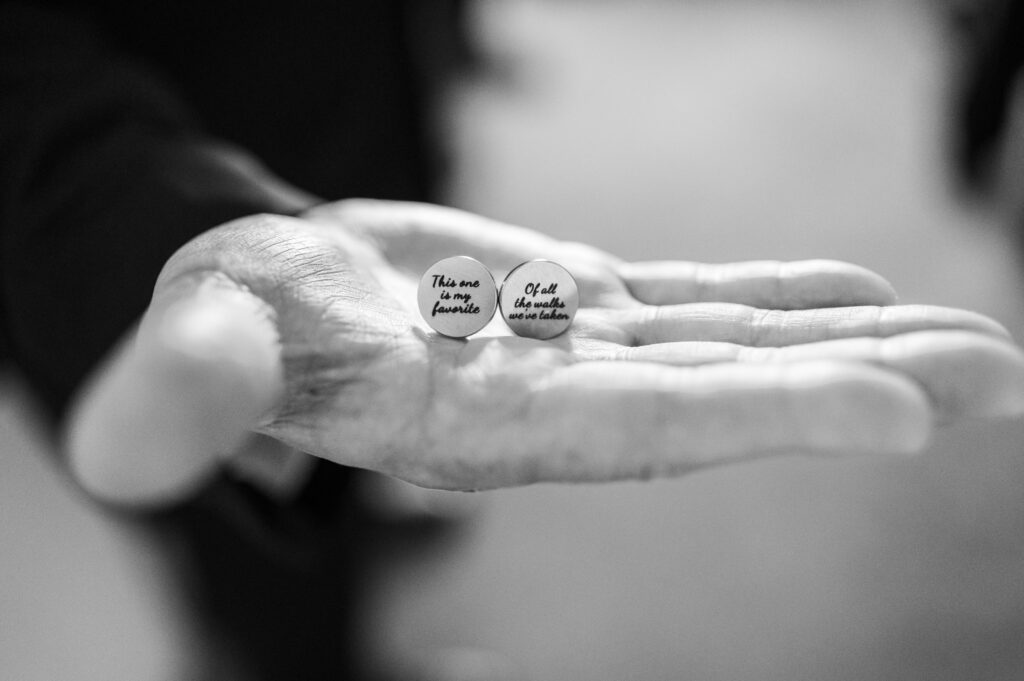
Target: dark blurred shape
{"points": [[107, 159], [992, 32], [113, 118], [330, 95]]}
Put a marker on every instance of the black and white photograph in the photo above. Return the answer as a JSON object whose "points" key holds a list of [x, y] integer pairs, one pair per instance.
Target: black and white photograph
{"points": [[512, 340]]}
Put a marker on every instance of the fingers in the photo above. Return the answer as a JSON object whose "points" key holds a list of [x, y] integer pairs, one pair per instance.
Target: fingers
{"points": [[202, 370], [764, 283], [745, 325], [414, 235], [963, 373], [606, 420]]}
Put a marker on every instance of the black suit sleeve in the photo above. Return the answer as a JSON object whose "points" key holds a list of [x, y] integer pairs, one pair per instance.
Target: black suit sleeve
{"points": [[103, 175]]}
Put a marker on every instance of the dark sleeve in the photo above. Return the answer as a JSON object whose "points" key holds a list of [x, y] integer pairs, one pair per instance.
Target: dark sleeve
{"points": [[103, 175]]}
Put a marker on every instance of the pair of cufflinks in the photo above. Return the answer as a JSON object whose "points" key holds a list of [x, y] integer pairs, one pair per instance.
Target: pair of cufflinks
{"points": [[458, 296]]}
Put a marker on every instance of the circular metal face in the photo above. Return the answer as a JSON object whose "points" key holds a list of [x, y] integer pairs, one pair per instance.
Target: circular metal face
{"points": [[457, 296], [539, 299]]}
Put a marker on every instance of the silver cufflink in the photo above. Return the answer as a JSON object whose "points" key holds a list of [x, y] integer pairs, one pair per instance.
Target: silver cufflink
{"points": [[538, 299], [457, 296]]}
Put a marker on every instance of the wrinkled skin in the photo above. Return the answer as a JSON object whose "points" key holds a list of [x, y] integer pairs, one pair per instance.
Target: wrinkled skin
{"points": [[667, 367]]}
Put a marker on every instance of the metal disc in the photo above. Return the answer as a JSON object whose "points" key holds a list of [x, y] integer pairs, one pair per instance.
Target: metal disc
{"points": [[457, 296], [539, 299]]}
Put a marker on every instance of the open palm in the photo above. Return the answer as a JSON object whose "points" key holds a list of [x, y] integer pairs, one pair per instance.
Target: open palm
{"points": [[307, 330]]}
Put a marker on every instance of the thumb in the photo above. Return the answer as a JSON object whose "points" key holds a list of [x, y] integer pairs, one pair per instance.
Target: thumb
{"points": [[184, 389]]}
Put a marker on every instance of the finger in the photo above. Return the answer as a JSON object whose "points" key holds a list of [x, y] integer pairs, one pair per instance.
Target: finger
{"points": [[606, 420], [764, 283], [745, 325], [964, 373], [202, 370]]}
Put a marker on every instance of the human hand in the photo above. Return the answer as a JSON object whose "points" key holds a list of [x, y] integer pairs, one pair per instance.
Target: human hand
{"points": [[307, 330]]}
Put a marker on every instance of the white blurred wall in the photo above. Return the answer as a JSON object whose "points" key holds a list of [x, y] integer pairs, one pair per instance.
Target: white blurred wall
{"points": [[83, 595]]}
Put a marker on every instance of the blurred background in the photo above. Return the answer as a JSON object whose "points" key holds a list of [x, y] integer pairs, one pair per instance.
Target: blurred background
{"points": [[700, 130]]}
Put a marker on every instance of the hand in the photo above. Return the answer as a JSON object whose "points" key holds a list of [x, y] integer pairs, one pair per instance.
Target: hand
{"points": [[306, 330]]}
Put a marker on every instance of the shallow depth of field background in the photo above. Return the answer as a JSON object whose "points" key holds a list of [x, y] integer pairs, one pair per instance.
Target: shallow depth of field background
{"points": [[700, 130]]}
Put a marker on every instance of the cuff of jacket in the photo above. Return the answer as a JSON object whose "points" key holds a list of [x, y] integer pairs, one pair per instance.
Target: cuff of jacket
{"points": [[80, 261]]}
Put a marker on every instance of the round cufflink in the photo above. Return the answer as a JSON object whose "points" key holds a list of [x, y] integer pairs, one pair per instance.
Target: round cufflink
{"points": [[539, 299], [457, 296]]}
